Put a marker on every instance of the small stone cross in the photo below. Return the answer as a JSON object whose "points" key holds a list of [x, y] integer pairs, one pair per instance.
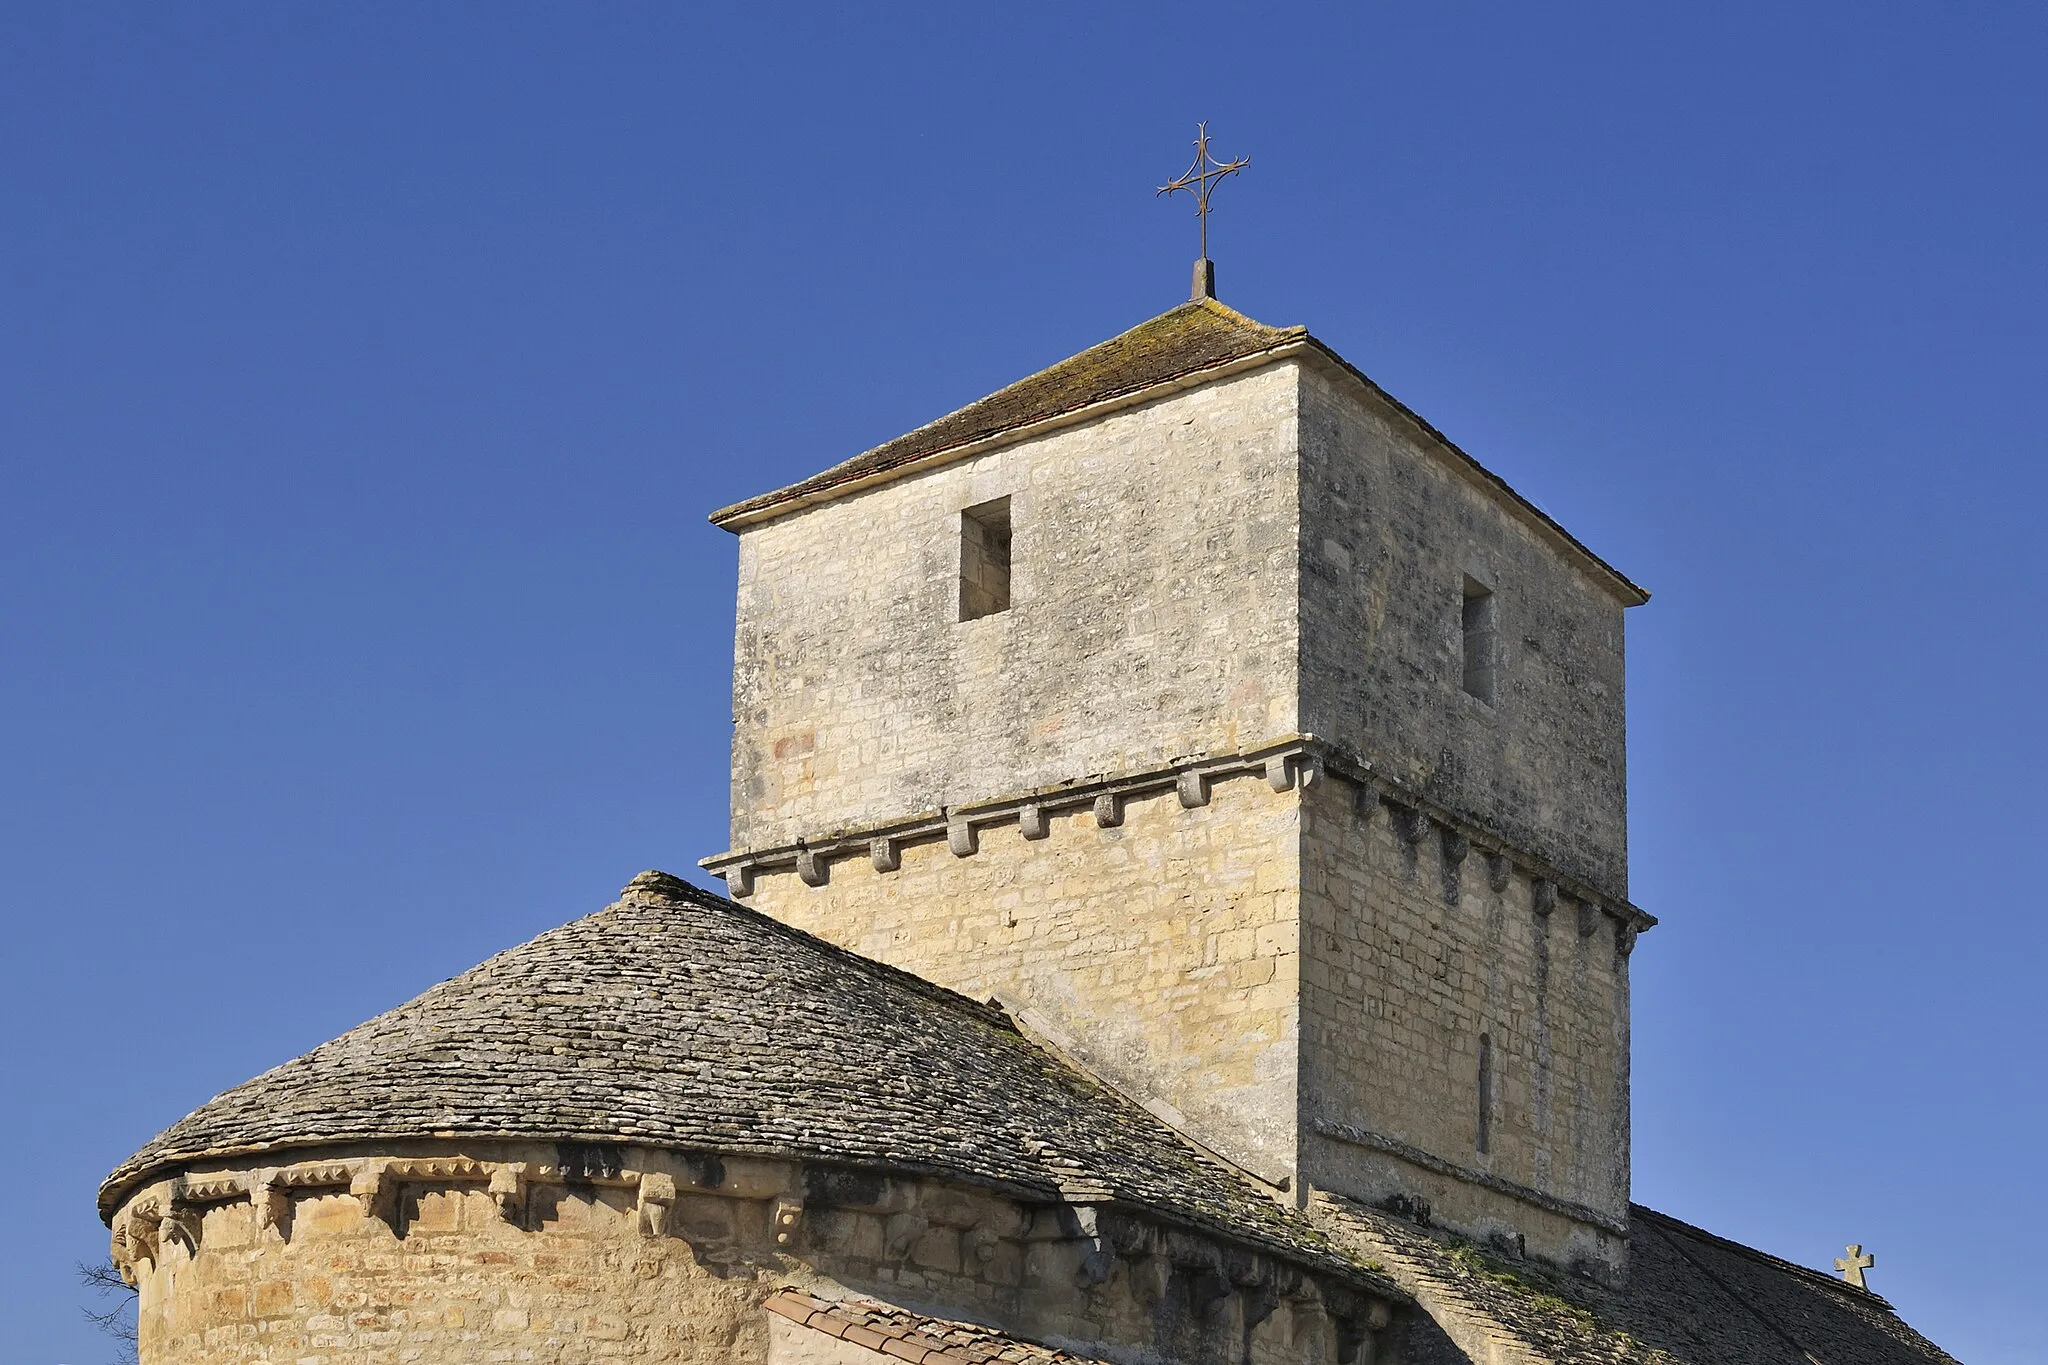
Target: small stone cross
{"points": [[1853, 1268]]}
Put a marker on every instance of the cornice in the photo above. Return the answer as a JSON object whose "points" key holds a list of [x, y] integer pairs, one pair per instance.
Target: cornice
{"points": [[1283, 762]]}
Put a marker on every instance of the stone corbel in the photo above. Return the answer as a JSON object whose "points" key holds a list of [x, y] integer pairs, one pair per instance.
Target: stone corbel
{"points": [[180, 1223], [1209, 1291], [1412, 824], [1192, 787], [143, 1219], [1308, 1318], [981, 1244], [1109, 811], [271, 1199], [373, 1188], [657, 1195], [121, 1251], [1625, 938], [810, 868], [962, 837], [1031, 821], [1500, 871], [786, 1220], [508, 1190], [1543, 896], [1365, 802], [1455, 845], [1589, 919], [1280, 772], [739, 881], [901, 1233], [1150, 1277], [886, 854]]}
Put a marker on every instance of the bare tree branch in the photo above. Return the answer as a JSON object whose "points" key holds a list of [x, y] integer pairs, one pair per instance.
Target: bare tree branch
{"points": [[117, 1321]]}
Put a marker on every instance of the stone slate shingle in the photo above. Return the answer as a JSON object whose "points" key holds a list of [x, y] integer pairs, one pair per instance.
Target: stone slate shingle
{"points": [[677, 1019], [1691, 1298]]}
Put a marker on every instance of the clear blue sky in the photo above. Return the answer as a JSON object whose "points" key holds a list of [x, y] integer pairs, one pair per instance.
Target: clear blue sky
{"points": [[366, 373]]}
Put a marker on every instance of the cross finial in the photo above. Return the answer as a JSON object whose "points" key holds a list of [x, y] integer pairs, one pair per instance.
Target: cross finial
{"points": [[1853, 1268], [1200, 181]]}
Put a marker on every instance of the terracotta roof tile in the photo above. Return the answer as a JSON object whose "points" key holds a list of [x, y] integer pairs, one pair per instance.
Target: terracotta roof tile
{"points": [[904, 1335]]}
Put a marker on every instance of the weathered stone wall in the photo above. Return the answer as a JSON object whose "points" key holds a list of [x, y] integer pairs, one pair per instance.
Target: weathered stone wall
{"points": [[1152, 612], [1389, 533], [445, 1269], [1276, 554], [1161, 953], [1417, 943]]}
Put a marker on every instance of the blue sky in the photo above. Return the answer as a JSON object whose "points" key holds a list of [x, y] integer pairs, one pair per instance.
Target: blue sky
{"points": [[366, 373]]}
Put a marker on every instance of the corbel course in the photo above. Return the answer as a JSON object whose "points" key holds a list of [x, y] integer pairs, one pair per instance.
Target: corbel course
{"points": [[1296, 762]]}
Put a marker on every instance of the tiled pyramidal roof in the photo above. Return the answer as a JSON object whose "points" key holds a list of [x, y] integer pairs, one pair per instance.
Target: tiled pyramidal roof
{"points": [[675, 1018], [1194, 337], [1195, 342], [1691, 1298]]}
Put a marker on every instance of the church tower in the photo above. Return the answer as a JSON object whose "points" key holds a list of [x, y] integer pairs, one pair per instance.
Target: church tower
{"points": [[1247, 741]]}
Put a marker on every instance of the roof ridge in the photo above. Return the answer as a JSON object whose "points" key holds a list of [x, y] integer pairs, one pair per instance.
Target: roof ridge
{"points": [[1230, 314], [1748, 1252], [671, 887], [1189, 338]]}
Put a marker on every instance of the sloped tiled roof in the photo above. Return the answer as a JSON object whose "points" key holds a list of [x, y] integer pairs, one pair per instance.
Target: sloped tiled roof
{"points": [[899, 1334], [1196, 336], [1183, 343], [676, 1018], [1691, 1298]]}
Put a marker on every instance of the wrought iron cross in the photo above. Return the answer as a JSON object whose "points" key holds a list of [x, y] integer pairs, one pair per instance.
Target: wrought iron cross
{"points": [[1200, 180], [1853, 1268]]}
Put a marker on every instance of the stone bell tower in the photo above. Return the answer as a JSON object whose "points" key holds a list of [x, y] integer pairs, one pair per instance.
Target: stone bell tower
{"points": [[1248, 740]]}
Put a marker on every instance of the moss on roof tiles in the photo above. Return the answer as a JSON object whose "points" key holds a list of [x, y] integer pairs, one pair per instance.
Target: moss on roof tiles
{"points": [[1184, 342], [1196, 336], [1690, 1298]]}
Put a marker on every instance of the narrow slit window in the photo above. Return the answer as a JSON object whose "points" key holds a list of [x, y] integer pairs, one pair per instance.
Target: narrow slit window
{"points": [[1482, 638], [985, 559], [1485, 1092]]}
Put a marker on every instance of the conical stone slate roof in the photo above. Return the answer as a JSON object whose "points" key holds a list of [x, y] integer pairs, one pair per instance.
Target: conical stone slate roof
{"points": [[674, 1018]]}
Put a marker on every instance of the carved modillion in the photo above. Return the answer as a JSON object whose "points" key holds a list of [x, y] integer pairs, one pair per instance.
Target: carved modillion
{"points": [[1109, 811], [811, 868], [271, 1200], [786, 1220], [508, 1190], [657, 1196], [373, 1189]]}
